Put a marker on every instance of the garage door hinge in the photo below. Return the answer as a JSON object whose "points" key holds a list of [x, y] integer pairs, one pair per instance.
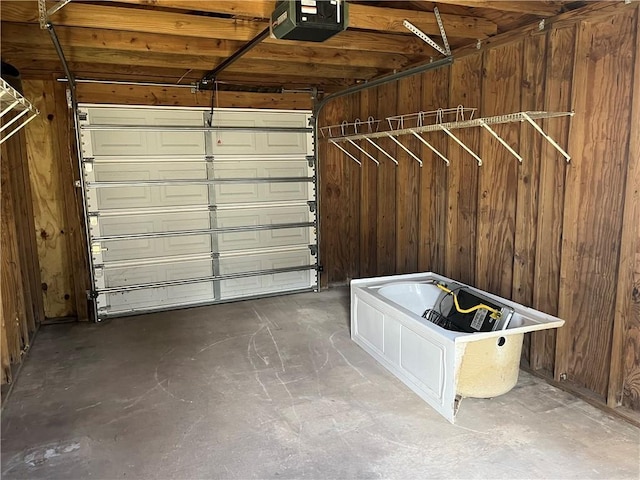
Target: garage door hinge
{"points": [[311, 160], [82, 116], [314, 249], [209, 158], [312, 205]]}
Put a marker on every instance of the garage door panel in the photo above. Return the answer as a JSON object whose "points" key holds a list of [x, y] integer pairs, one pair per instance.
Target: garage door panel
{"points": [[287, 171], [120, 250], [183, 195], [287, 281], [269, 283], [229, 241], [237, 193], [233, 142], [132, 142], [263, 215], [174, 214], [253, 168], [159, 298], [238, 218], [188, 244], [150, 222], [182, 142], [124, 226], [133, 275], [288, 236], [286, 191]]}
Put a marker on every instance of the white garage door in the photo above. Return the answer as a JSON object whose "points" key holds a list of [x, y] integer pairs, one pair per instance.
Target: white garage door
{"points": [[183, 214]]}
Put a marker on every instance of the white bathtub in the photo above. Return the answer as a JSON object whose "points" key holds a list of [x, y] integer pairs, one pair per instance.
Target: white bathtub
{"points": [[441, 366]]}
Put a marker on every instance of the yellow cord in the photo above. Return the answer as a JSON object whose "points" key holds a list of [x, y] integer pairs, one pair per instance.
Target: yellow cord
{"points": [[494, 313]]}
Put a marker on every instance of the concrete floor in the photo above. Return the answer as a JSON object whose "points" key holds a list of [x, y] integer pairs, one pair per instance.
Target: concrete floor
{"points": [[274, 388]]}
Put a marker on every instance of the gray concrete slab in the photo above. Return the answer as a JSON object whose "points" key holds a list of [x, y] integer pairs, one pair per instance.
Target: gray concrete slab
{"points": [[274, 388]]}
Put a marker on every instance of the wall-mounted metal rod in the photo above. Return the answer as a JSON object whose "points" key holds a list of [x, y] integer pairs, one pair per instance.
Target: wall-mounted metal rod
{"points": [[382, 150], [215, 181], [459, 142], [194, 128], [213, 74], [17, 129], [9, 108], [528, 118], [346, 153], [187, 281], [14, 120], [365, 152], [503, 142], [433, 149], [405, 149], [208, 231], [434, 127]]}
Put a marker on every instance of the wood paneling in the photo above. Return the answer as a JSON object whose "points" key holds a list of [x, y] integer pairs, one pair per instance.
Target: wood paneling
{"points": [[69, 174], [407, 181], [368, 198], [532, 98], [627, 321], [21, 308], [56, 267], [498, 177], [598, 140], [335, 249], [14, 319], [386, 188], [561, 237], [559, 73], [432, 186], [465, 89]]}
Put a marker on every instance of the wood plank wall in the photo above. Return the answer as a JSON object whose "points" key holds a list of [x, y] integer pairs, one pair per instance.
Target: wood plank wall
{"points": [[58, 227], [561, 238], [21, 305]]}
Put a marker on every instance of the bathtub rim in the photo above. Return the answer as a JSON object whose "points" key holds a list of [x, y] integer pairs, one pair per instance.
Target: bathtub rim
{"points": [[370, 286]]}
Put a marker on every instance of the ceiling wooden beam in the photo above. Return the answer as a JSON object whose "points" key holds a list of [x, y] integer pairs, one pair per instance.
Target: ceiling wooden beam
{"points": [[390, 20], [538, 7], [149, 21], [255, 68], [31, 34], [168, 96], [239, 8], [363, 17]]}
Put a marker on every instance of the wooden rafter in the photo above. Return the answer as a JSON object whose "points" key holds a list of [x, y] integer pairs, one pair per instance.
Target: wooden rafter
{"points": [[152, 44], [151, 21], [360, 16], [13, 51], [540, 8]]}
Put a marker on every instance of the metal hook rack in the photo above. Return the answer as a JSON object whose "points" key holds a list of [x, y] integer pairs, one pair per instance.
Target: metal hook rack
{"points": [[417, 123], [12, 100]]}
